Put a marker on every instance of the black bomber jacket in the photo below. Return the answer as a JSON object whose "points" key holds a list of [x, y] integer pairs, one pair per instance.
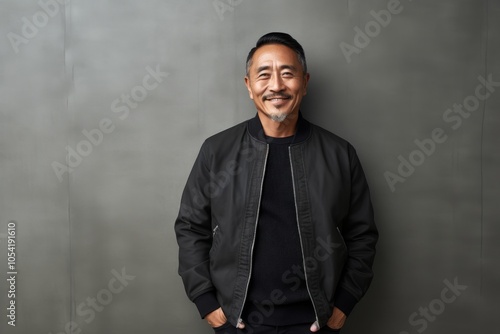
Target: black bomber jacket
{"points": [[219, 211]]}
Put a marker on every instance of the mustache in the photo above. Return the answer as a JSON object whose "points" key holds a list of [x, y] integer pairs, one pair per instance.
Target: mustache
{"points": [[276, 96]]}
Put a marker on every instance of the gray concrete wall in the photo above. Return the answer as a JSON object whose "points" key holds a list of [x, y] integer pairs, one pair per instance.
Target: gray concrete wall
{"points": [[104, 105]]}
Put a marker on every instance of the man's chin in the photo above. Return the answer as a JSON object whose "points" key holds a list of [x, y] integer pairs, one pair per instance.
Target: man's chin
{"points": [[277, 116], [280, 118]]}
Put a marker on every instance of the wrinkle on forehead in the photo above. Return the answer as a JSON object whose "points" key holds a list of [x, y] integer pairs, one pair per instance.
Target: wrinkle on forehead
{"points": [[282, 67]]}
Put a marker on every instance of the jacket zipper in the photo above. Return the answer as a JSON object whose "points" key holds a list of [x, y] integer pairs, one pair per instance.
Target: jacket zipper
{"points": [[240, 320], [300, 237]]}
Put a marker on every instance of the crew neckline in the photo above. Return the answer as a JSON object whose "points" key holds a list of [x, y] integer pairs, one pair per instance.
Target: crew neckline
{"points": [[280, 140]]}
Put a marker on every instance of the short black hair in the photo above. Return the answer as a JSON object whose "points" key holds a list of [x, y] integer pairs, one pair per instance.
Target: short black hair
{"points": [[279, 38]]}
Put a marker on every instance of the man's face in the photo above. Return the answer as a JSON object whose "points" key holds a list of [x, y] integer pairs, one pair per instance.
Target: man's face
{"points": [[276, 81]]}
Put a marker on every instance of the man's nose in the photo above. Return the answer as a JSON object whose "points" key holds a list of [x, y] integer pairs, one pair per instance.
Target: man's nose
{"points": [[276, 84]]}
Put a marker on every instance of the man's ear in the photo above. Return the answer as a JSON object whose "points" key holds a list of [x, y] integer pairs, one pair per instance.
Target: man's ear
{"points": [[306, 82], [247, 83]]}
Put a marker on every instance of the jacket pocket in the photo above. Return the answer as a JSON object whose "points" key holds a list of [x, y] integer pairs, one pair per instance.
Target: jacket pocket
{"points": [[342, 239], [215, 238]]}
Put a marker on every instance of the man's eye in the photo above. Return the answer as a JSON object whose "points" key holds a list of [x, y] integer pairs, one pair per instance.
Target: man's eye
{"points": [[288, 74]]}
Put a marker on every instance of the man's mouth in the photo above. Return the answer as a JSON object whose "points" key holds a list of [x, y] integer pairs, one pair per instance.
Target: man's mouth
{"points": [[276, 96], [279, 98]]}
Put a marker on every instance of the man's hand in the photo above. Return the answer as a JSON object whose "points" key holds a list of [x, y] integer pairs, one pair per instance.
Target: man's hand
{"points": [[336, 321], [216, 318]]}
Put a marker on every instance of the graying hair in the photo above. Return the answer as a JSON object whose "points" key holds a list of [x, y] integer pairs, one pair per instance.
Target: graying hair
{"points": [[279, 38]]}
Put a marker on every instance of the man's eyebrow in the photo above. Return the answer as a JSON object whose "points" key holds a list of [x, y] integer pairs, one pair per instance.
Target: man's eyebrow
{"points": [[282, 67]]}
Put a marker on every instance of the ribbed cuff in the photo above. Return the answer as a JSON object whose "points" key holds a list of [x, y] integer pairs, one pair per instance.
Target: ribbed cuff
{"points": [[344, 301], [206, 303]]}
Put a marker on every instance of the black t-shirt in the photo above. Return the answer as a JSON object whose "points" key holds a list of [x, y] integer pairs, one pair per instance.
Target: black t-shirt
{"points": [[277, 293]]}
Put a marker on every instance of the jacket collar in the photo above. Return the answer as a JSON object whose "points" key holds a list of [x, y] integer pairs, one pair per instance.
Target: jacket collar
{"points": [[257, 131]]}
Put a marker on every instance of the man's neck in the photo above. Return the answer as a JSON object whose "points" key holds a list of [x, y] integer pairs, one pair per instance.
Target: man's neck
{"points": [[279, 129]]}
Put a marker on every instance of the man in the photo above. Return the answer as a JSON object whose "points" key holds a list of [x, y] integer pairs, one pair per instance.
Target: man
{"points": [[275, 228]]}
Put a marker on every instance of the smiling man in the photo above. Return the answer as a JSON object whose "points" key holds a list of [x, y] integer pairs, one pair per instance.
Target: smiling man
{"points": [[275, 229], [277, 81]]}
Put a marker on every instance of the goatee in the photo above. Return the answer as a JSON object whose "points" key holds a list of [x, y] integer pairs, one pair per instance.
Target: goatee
{"points": [[278, 117]]}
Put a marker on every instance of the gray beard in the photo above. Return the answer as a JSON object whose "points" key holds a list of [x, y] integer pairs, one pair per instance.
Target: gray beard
{"points": [[278, 117]]}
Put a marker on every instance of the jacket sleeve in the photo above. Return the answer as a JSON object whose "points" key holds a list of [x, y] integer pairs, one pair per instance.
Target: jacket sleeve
{"points": [[360, 234], [193, 231]]}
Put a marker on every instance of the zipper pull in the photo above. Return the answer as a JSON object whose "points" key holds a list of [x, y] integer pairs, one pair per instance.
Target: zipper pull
{"points": [[240, 324], [315, 326]]}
